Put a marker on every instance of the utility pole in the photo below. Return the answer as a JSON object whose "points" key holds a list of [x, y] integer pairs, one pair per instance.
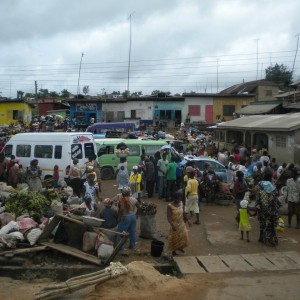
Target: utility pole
{"points": [[217, 75], [256, 58], [129, 58], [79, 75], [35, 89], [297, 35]]}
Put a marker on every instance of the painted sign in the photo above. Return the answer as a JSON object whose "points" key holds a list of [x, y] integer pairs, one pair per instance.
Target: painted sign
{"points": [[86, 107]]}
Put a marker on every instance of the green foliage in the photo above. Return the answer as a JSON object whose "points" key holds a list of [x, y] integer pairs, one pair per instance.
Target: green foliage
{"points": [[27, 202], [65, 93], [279, 73]]}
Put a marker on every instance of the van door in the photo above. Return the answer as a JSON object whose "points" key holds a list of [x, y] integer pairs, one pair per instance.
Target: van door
{"points": [[107, 160]]}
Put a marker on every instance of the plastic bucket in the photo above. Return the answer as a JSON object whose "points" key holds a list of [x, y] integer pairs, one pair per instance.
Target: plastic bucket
{"points": [[157, 248]]}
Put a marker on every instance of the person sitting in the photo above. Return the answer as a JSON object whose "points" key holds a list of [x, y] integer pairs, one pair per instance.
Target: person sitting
{"points": [[109, 214]]}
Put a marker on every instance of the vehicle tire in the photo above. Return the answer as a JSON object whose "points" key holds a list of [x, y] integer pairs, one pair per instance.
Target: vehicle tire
{"points": [[107, 173]]}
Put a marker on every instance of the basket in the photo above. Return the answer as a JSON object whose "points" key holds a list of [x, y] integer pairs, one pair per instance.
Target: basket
{"points": [[91, 221], [122, 154]]}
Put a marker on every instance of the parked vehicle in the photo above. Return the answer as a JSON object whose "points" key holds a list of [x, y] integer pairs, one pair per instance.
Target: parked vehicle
{"points": [[53, 148], [100, 129], [200, 161], [108, 159]]}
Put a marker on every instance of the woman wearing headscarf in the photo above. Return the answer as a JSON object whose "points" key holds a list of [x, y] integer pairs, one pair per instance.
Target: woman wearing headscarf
{"points": [[267, 206], [33, 176]]}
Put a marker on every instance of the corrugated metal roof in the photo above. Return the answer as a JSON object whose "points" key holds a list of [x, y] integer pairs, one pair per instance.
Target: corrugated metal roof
{"points": [[257, 109], [286, 122]]}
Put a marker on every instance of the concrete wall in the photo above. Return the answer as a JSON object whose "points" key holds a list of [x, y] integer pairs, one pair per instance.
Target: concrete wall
{"points": [[202, 102]]}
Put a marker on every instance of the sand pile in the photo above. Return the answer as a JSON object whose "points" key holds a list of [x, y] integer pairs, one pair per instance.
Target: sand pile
{"points": [[142, 281]]}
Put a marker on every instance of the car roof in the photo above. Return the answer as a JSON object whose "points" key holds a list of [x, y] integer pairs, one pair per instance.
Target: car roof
{"points": [[200, 158]]}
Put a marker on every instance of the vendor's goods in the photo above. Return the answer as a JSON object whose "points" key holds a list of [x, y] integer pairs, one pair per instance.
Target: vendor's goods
{"points": [[10, 227], [33, 235]]}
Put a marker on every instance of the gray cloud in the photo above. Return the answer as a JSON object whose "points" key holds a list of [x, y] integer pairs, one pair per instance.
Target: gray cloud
{"points": [[176, 45]]}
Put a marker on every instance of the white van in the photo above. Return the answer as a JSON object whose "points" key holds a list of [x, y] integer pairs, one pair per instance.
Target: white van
{"points": [[50, 149]]}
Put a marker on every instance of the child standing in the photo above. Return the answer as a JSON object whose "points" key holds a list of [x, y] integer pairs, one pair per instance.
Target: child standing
{"points": [[244, 225]]}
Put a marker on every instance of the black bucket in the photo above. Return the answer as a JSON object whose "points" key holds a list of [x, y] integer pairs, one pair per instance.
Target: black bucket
{"points": [[157, 248]]}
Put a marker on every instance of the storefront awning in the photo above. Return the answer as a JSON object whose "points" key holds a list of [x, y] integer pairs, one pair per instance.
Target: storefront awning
{"points": [[256, 109]]}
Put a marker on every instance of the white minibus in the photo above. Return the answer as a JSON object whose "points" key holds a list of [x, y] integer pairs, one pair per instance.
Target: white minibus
{"points": [[50, 149]]}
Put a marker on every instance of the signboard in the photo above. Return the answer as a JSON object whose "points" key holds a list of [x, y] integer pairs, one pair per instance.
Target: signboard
{"points": [[86, 107]]}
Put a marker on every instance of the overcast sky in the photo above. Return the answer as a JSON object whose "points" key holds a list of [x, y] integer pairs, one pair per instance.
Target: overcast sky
{"points": [[176, 45]]}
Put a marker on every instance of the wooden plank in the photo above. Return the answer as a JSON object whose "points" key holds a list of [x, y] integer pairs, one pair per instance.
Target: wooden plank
{"points": [[188, 265], [281, 261], [293, 255], [21, 251], [259, 262], [73, 252], [213, 264], [236, 263]]}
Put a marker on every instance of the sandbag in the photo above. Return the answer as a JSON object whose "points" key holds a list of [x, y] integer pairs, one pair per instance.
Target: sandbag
{"points": [[148, 227], [105, 251], [89, 241], [17, 235], [33, 236], [10, 227]]}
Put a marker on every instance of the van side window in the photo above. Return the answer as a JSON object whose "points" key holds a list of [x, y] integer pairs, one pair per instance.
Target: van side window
{"points": [[8, 149], [58, 152], [89, 150], [43, 151], [23, 150], [76, 151], [134, 150], [151, 150]]}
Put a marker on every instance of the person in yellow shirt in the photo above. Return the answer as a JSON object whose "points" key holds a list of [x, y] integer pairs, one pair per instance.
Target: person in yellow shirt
{"points": [[135, 180], [191, 195]]}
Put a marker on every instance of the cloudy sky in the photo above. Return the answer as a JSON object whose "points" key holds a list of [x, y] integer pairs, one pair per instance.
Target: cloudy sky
{"points": [[176, 45]]}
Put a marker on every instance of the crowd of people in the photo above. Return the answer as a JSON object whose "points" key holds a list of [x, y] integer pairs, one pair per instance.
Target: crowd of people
{"points": [[253, 177]]}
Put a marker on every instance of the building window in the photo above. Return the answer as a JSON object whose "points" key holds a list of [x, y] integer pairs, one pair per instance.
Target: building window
{"points": [[133, 114], [228, 110], [195, 110], [269, 93], [281, 141]]}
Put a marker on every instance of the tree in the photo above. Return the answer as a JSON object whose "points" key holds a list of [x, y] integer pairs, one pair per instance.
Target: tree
{"points": [[65, 94], [53, 95], [86, 89], [126, 94], [155, 92], [43, 93], [279, 73]]}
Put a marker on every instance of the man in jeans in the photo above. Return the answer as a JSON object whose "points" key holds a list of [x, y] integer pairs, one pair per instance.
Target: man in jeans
{"points": [[162, 172], [171, 179]]}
